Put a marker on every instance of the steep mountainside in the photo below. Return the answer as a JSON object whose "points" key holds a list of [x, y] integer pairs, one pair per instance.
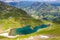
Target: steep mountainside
{"points": [[11, 17], [44, 10]]}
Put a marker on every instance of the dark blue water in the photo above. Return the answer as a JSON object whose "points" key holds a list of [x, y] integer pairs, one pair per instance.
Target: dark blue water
{"points": [[27, 30], [24, 30]]}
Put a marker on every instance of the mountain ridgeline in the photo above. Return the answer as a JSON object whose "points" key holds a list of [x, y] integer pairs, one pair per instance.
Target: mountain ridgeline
{"points": [[17, 21], [44, 10], [11, 17]]}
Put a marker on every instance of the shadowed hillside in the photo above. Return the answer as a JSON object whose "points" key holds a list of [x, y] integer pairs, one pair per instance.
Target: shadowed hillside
{"points": [[11, 17]]}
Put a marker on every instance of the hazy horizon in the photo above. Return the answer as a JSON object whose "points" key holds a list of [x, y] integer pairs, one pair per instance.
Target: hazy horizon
{"points": [[30, 0]]}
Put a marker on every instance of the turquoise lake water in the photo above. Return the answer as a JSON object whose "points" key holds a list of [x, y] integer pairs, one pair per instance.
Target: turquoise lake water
{"points": [[27, 30]]}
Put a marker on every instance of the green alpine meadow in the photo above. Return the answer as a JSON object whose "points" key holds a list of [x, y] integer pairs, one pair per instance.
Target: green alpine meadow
{"points": [[29, 20]]}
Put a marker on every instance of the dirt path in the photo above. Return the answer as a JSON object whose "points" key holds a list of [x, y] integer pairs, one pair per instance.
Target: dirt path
{"points": [[39, 37]]}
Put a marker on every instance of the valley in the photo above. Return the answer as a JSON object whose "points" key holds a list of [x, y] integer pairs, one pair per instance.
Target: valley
{"points": [[33, 21]]}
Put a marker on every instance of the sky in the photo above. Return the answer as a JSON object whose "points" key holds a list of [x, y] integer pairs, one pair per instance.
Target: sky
{"points": [[29, 0]]}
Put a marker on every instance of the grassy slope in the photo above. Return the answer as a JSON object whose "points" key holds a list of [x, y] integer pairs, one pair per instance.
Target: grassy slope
{"points": [[53, 31], [11, 17]]}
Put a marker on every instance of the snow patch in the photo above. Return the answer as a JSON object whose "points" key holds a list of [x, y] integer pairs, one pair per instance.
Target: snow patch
{"points": [[42, 36]]}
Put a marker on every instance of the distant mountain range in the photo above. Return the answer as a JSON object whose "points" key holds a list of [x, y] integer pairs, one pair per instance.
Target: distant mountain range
{"points": [[42, 10], [29, 3], [19, 17], [11, 17]]}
